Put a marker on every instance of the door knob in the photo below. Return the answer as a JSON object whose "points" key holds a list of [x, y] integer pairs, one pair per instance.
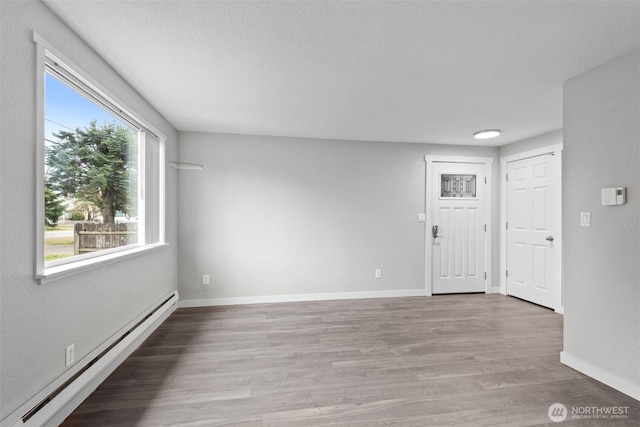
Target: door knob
{"points": [[549, 238], [434, 231]]}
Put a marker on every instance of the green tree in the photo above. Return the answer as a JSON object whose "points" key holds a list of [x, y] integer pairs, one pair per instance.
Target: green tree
{"points": [[53, 207], [97, 164]]}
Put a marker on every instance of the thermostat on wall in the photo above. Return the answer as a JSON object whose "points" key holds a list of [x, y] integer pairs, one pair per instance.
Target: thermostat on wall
{"points": [[614, 196]]}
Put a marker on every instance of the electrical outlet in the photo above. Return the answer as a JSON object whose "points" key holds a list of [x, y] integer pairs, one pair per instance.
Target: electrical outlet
{"points": [[205, 279], [378, 273], [68, 355]]}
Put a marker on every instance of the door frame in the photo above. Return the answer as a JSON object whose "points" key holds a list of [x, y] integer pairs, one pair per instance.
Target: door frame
{"points": [[430, 160], [556, 151]]}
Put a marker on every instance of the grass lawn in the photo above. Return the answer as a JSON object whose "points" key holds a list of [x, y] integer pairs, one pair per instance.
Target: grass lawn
{"points": [[58, 248], [59, 241], [59, 227], [54, 257]]}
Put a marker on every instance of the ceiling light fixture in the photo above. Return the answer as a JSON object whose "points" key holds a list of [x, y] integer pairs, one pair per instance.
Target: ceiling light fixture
{"points": [[486, 134]]}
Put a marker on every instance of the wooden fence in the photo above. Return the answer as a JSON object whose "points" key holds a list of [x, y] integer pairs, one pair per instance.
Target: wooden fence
{"points": [[91, 237]]}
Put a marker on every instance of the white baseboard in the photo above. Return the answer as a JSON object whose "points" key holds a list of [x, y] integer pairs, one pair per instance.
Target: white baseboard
{"points": [[622, 385], [212, 302], [107, 357]]}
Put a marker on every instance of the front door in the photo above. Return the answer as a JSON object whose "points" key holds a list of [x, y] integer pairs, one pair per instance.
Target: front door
{"points": [[458, 227], [533, 230]]}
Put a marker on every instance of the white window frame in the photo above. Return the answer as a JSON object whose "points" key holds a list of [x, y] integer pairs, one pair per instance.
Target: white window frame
{"points": [[153, 225]]}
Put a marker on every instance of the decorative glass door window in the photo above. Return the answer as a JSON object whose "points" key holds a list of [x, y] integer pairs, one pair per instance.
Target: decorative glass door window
{"points": [[457, 186]]}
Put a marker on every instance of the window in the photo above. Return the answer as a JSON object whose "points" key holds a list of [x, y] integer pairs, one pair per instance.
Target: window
{"points": [[101, 178], [453, 186]]}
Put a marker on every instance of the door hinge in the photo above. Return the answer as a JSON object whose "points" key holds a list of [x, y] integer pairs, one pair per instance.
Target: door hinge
{"points": [[485, 275], [507, 177], [485, 179], [485, 228], [507, 273], [507, 225]]}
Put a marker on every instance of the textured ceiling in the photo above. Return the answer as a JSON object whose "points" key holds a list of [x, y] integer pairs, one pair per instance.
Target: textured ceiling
{"points": [[419, 71]]}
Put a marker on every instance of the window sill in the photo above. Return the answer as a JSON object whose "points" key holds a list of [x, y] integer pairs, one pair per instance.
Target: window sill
{"points": [[61, 271]]}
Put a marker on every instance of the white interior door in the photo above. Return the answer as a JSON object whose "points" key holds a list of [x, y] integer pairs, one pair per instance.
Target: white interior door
{"points": [[458, 227], [533, 230]]}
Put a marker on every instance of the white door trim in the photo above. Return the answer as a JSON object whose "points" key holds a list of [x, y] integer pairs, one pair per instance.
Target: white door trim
{"points": [[556, 150], [488, 162]]}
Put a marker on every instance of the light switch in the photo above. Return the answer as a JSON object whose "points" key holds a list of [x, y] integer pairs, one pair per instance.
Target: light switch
{"points": [[422, 217], [585, 219]]}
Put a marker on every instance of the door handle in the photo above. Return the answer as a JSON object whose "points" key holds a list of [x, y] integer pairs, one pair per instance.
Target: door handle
{"points": [[434, 231], [549, 238]]}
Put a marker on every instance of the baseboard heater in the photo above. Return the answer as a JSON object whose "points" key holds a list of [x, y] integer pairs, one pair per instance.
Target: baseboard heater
{"points": [[57, 401]]}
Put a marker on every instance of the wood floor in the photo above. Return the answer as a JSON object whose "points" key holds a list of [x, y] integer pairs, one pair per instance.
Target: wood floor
{"points": [[448, 360]]}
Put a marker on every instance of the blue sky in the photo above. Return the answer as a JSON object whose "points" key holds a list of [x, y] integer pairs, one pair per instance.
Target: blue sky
{"points": [[65, 108]]}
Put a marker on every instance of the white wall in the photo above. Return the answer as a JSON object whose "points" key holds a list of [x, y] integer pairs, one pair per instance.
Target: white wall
{"points": [[272, 216], [538, 141], [37, 322], [602, 263]]}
